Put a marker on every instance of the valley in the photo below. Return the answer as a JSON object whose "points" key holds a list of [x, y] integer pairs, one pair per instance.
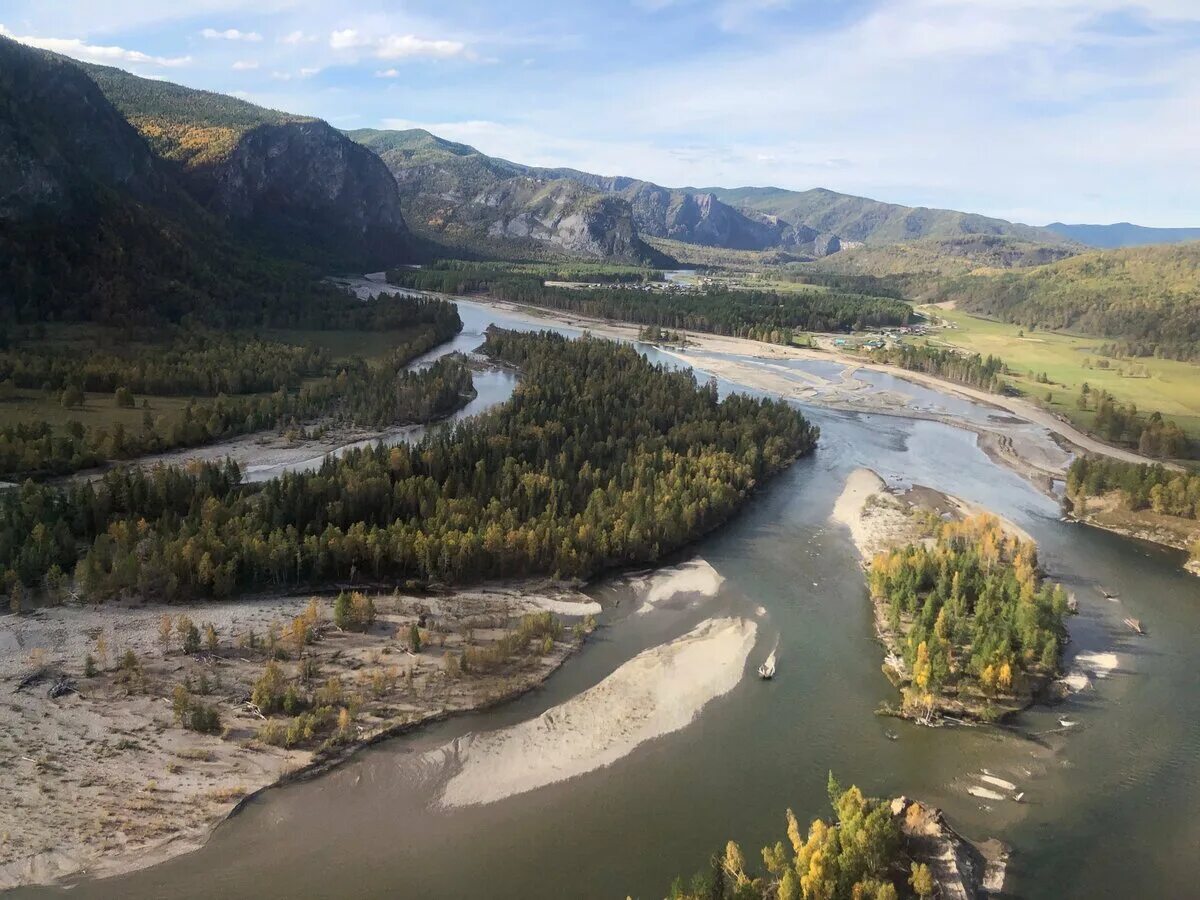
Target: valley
{"points": [[603, 532]]}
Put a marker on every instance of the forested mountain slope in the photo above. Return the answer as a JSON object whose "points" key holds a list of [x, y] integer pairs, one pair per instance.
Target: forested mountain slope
{"points": [[295, 184], [1147, 298], [95, 226], [456, 195]]}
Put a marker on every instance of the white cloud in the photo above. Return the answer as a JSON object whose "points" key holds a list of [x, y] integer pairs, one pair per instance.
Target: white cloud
{"points": [[280, 75], [231, 34], [245, 64], [388, 73], [407, 45], [77, 49], [398, 46], [297, 37], [347, 39]]}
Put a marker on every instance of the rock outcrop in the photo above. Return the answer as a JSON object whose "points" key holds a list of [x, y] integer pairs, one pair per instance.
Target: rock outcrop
{"points": [[295, 184], [962, 870], [457, 196]]}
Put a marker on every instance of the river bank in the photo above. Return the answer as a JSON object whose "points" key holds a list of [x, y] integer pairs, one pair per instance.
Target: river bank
{"points": [[105, 781], [1109, 512]]}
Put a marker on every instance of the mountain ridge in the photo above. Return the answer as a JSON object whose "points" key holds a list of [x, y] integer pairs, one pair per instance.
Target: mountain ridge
{"points": [[1123, 234]]}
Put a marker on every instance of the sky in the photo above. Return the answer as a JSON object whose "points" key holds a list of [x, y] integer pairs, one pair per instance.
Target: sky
{"points": [[1031, 110]]}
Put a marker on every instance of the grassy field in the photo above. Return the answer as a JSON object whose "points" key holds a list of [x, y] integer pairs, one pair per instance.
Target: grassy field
{"points": [[1172, 388], [31, 406]]}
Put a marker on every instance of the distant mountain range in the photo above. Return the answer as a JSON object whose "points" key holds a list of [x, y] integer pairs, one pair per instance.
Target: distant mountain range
{"points": [[1123, 234], [455, 193], [118, 191]]}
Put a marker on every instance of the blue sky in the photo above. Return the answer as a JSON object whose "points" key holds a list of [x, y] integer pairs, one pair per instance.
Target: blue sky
{"points": [[1034, 110]]}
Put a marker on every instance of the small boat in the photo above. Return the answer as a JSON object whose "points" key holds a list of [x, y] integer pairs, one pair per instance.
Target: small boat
{"points": [[1019, 797], [767, 670], [891, 735], [1109, 595], [1134, 625], [1066, 723]]}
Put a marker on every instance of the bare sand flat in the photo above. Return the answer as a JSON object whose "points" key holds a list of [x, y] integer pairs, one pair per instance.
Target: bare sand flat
{"points": [[696, 576], [103, 780], [659, 691]]}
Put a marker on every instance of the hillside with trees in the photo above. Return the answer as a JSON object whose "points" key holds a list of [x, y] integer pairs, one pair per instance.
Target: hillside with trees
{"points": [[96, 226], [1145, 299], [600, 459], [293, 184]]}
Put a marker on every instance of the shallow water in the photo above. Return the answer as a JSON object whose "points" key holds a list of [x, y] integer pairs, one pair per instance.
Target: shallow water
{"points": [[1110, 804]]}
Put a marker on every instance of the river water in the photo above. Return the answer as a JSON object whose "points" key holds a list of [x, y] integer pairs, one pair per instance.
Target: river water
{"points": [[1110, 803]]}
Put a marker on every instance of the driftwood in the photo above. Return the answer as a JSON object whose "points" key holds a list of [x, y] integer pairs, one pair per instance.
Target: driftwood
{"points": [[31, 679], [61, 687]]}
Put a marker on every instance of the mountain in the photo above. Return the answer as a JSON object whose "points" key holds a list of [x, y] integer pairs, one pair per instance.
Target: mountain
{"points": [[457, 196], [862, 220], [699, 217], [1123, 234], [1145, 298], [294, 184], [455, 192], [91, 223], [94, 225]]}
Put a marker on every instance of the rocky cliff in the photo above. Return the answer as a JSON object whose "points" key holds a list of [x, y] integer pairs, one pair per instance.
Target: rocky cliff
{"points": [[457, 196], [296, 184], [61, 141]]}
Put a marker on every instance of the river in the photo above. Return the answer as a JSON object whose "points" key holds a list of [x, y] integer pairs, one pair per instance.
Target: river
{"points": [[1109, 805]]}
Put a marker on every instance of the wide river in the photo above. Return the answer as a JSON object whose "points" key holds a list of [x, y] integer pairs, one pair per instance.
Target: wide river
{"points": [[1111, 803]]}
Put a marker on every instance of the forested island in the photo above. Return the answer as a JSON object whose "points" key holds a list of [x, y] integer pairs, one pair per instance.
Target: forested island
{"points": [[759, 315], [977, 630], [869, 850], [600, 459], [971, 629]]}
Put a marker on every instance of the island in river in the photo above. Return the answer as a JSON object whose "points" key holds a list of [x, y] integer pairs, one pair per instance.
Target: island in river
{"points": [[971, 631]]}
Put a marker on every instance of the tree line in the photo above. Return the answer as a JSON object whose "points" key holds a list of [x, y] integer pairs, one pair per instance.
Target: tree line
{"points": [[194, 362], [862, 853], [1121, 423], [1142, 486], [971, 610], [760, 315], [600, 459], [965, 368]]}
